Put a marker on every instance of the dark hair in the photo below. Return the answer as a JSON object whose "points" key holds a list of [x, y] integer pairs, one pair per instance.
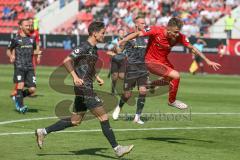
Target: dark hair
{"points": [[95, 27], [139, 16], [175, 22], [29, 18], [120, 29], [21, 21]]}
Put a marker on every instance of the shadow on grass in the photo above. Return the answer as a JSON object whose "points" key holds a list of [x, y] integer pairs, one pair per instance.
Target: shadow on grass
{"points": [[32, 110], [170, 140], [175, 140], [92, 151], [35, 96]]}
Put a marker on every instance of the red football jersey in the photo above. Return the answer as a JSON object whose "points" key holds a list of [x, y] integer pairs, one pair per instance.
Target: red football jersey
{"points": [[36, 36], [159, 45]]}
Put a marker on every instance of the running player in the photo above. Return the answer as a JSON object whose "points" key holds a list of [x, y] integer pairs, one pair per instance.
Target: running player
{"points": [[136, 72], [21, 50], [161, 40], [117, 62], [81, 65]]}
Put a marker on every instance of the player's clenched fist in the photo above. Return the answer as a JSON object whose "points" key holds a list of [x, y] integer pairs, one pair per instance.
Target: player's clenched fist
{"points": [[77, 81]]}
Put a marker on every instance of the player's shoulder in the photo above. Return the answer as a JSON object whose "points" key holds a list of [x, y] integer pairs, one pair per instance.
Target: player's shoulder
{"points": [[78, 50], [154, 29], [16, 37], [183, 36], [158, 27], [82, 48]]}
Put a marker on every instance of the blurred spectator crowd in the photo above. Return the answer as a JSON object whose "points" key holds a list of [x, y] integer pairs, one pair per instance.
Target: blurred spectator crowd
{"points": [[197, 15], [12, 11]]}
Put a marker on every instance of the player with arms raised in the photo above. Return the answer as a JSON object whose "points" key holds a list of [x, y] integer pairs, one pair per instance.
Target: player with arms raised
{"points": [[161, 40]]}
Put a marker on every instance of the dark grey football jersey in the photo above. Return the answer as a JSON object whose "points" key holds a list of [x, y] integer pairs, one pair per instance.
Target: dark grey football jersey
{"points": [[135, 50], [135, 53], [85, 58], [24, 47]]}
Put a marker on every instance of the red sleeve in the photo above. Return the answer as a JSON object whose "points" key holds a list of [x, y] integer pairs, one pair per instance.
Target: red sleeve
{"points": [[149, 31], [37, 37], [183, 40]]}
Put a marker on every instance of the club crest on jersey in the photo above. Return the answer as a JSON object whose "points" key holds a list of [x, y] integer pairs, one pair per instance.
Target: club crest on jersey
{"points": [[146, 40], [76, 50], [31, 40], [147, 29]]}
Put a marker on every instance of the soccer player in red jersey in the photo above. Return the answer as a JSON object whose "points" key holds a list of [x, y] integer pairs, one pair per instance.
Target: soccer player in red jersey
{"points": [[161, 41], [35, 34]]}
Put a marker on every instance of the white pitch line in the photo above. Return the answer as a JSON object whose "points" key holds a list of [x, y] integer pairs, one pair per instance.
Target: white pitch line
{"points": [[25, 120], [124, 114], [126, 129], [193, 113]]}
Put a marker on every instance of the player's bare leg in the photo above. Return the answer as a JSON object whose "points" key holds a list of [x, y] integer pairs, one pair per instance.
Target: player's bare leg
{"points": [[124, 98], [14, 91], [166, 70], [161, 81], [29, 92], [173, 88], [114, 78], [74, 120], [101, 114]]}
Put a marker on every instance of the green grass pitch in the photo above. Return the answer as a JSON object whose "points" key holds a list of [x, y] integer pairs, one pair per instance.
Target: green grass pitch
{"points": [[209, 130]]}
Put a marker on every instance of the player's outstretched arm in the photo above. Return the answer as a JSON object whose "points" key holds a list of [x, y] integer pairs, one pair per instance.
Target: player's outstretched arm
{"points": [[129, 37], [68, 63], [212, 64], [110, 53]]}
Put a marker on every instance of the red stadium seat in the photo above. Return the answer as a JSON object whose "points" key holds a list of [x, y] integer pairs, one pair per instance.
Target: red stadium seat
{"points": [[21, 15], [18, 8], [83, 16]]}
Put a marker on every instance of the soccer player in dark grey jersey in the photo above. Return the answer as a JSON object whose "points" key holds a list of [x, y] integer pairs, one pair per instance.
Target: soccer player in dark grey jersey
{"points": [[136, 72], [117, 62], [20, 51], [81, 65]]}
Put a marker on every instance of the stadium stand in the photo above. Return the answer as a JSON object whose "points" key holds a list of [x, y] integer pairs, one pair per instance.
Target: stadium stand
{"points": [[12, 11], [197, 15]]}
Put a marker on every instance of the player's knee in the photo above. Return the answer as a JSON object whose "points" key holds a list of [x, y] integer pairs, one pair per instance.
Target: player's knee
{"points": [[20, 85], [127, 95], [114, 76], [176, 75], [121, 76], [103, 117], [143, 91], [76, 122], [32, 90]]}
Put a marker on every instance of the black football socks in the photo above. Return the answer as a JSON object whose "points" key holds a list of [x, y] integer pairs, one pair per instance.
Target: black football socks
{"points": [[108, 132], [59, 125]]}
